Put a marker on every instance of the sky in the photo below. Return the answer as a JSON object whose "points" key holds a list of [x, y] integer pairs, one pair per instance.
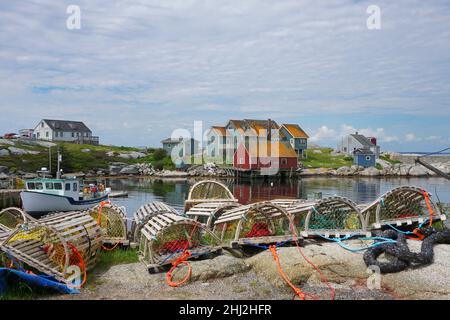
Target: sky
{"points": [[136, 70]]}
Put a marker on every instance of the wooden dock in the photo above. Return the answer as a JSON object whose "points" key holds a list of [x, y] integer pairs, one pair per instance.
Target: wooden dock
{"points": [[10, 198]]}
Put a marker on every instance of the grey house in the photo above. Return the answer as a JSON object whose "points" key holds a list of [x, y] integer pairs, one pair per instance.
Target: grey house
{"points": [[64, 130], [355, 141], [184, 149]]}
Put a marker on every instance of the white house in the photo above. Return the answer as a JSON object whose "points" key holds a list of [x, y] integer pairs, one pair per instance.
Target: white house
{"points": [[353, 142], [63, 130]]}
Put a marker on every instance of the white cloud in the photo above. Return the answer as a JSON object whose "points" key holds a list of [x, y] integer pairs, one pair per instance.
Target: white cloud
{"points": [[323, 133], [170, 62], [410, 137]]}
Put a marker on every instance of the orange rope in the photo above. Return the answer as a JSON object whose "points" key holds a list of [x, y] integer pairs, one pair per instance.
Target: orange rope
{"points": [[81, 263], [297, 290], [417, 232], [295, 239], [110, 249], [180, 260], [430, 210]]}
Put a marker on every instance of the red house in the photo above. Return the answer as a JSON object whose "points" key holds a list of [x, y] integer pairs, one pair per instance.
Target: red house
{"points": [[271, 154]]}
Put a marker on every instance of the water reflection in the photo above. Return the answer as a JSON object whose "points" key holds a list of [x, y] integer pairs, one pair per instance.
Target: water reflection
{"points": [[360, 190]]}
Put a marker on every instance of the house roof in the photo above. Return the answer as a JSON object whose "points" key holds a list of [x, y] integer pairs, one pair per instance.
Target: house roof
{"points": [[220, 130], [295, 130], [274, 148], [253, 124], [170, 140], [65, 125], [363, 140], [363, 152]]}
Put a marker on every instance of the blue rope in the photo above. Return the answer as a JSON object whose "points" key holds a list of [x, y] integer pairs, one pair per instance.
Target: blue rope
{"points": [[400, 231], [376, 244]]}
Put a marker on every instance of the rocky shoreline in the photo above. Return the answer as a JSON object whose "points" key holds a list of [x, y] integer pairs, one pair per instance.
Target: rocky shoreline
{"points": [[385, 170]]}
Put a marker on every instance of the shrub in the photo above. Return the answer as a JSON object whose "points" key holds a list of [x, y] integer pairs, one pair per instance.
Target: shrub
{"points": [[159, 154]]}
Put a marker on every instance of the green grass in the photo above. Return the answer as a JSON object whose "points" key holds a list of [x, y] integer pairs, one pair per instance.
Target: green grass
{"points": [[74, 160], [388, 159], [20, 290], [107, 259], [325, 159]]}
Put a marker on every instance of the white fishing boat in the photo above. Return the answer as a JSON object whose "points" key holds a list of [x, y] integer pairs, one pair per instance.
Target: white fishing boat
{"points": [[43, 195]]}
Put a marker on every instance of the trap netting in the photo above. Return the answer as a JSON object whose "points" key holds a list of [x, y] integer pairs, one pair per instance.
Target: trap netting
{"points": [[166, 237], [145, 213], [258, 223], [207, 213], [298, 209], [402, 205], [334, 216], [208, 191], [112, 220], [13, 217], [42, 249]]}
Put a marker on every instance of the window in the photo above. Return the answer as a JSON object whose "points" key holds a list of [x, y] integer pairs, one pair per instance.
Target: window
{"points": [[31, 186], [67, 186], [57, 186], [213, 153], [39, 186], [47, 134], [73, 134], [75, 187], [42, 124], [284, 161], [368, 158], [49, 186]]}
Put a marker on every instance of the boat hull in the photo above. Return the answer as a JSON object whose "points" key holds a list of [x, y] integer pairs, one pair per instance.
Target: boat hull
{"points": [[36, 203]]}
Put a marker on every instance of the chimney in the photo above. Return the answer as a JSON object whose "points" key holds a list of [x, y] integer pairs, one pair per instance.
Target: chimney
{"points": [[269, 130]]}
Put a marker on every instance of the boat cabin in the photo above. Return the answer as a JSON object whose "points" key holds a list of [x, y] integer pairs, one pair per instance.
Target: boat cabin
{"points": [[60, 187]]}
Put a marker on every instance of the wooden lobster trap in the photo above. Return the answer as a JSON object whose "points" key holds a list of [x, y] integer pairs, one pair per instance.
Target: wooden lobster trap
{"points": [[208, 191], [145, 213], [112, 220], [258, 223], [333, 216], [401, 206], [55, 244], [207, 213], [166, 237]]}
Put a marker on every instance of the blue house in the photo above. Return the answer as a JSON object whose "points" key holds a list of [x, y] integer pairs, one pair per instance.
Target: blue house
{"points": [[364, 157], [296, 137]]}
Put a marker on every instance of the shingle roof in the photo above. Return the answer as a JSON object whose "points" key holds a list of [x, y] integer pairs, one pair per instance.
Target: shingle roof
{"points": [[274, 148], [220, 130], [295, 131], [65, 125], [363, 151], [363, 140]]}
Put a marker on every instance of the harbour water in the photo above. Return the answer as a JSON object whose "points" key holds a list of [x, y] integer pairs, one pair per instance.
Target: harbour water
{"points": [[360, 190]]}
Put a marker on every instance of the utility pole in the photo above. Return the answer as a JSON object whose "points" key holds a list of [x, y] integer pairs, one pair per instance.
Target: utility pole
{"points": [[58, 173], [50, 159]]}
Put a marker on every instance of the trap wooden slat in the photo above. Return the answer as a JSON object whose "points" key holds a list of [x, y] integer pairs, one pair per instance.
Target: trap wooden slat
{"points": [[145, 213], [178, 232]]}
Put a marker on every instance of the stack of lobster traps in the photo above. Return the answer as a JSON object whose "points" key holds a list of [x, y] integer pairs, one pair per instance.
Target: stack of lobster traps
{"points": [[213, 218], [52, 245]]}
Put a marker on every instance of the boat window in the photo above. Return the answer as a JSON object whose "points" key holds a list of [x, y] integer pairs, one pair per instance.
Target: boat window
{"points": [[49, 186], [31, 186], [67, 186], [57, 185], [39, 186], [75, 187]]}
